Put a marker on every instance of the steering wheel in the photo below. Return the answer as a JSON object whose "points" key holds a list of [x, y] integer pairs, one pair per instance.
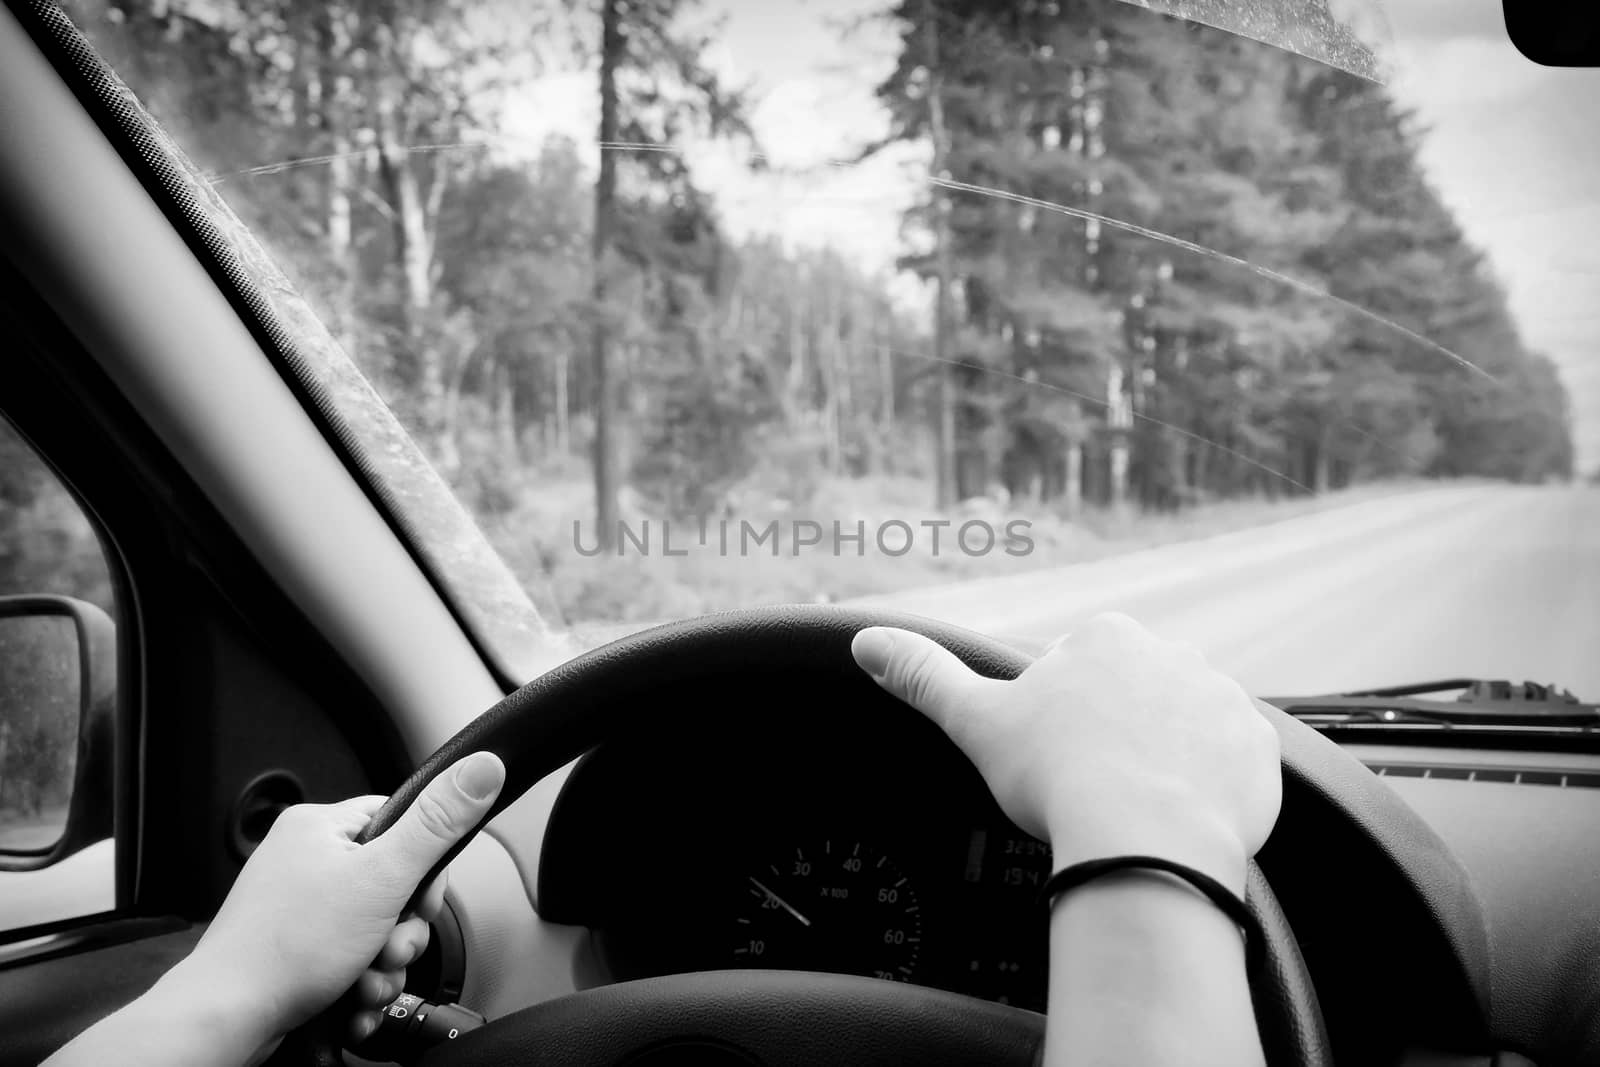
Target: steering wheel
{"points": [[772, 1017]]}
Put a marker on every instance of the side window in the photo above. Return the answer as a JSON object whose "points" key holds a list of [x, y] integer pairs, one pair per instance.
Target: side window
{"points": [[57, 699]]}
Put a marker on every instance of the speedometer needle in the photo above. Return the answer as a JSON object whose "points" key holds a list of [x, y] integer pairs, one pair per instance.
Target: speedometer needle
{"points": [[784, 904]]}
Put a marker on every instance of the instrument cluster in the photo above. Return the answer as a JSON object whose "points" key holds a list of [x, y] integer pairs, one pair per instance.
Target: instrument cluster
{"points": [[885, 857]]}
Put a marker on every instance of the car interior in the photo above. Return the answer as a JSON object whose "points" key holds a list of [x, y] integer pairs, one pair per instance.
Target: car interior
{"points": [[1430, 895]]}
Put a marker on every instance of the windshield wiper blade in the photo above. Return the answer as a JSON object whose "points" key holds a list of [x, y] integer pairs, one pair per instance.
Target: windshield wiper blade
{"points": [[1480, 703], [1475, 691]]}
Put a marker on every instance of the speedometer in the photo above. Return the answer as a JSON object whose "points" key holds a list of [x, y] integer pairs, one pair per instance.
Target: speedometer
{"points": [[834, 904]]}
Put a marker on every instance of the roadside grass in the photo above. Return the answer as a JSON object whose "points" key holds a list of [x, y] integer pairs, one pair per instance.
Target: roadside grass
{"points": [[541, 532]]}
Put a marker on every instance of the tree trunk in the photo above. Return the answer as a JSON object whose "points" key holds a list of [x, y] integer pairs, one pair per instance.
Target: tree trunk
{"points": [[329, 78], [832, 388], [945, 474], [1322, 459], [1182, 486], [883, 339], [1118, 474], [414, 256], [796, 376], [1120, 423], [1072, 492], [563, 416], [339, 236], [605, 189], [1200, 475], [505, 416], [831, 420], [410, 226]]}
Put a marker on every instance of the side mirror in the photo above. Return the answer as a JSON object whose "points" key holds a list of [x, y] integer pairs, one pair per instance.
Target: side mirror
{"points": [[58, 688]]}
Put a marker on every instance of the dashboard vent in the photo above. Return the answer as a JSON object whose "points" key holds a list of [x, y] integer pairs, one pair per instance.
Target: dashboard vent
{"points": [[1517, 775]]}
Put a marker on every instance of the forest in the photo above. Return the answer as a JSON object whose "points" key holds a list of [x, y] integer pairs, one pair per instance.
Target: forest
{"points": [[1165, 267]]}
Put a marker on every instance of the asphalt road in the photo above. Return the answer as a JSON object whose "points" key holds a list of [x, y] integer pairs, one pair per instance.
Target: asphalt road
{"points": [[1491, 582]]}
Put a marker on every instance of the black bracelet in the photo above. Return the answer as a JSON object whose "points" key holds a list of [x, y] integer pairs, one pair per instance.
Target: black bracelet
{"points": [[1236, 909]]}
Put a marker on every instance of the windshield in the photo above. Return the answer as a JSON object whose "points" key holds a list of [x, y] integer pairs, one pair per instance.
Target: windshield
{"points": [[1270, 325]]}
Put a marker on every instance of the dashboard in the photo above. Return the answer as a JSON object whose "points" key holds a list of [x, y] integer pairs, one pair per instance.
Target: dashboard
{"points": [[802, 825], [877, 852]]}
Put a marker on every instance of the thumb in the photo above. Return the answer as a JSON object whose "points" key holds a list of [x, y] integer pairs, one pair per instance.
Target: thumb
{"points": [[921, 672], [449, 808]]}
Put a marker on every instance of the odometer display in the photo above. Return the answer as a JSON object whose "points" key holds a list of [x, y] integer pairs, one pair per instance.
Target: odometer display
{"points": [[835, 904]]}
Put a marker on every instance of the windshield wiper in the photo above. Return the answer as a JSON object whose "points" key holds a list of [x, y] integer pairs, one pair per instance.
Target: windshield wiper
{"points": [[1480, 703]]}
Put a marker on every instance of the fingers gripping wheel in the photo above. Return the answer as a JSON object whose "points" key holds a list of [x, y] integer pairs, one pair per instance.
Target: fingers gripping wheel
{"points": [[605, 693]]}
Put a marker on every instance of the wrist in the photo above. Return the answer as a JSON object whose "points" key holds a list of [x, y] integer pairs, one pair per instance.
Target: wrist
{"points": [[234, 1023], [1170, 832]]}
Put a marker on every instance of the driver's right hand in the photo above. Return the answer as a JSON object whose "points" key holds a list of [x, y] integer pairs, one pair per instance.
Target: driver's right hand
{"points": [[1114, 742]]}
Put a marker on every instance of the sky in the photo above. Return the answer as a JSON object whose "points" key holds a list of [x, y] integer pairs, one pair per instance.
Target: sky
{"points": [[1511, 146]]}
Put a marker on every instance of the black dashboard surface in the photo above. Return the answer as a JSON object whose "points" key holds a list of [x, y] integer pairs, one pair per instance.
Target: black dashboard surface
{"points": [[1526, 826]]}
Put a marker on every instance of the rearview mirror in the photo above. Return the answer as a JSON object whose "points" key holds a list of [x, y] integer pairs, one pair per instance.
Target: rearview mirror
{"points": [[57, 729]]}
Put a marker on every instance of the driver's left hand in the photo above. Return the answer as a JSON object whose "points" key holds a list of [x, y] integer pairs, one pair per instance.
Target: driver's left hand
{"points": [[313, 914]]}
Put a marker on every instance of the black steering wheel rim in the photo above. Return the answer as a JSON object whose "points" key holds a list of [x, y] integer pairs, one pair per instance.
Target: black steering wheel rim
{"points": [[564, 713]]}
